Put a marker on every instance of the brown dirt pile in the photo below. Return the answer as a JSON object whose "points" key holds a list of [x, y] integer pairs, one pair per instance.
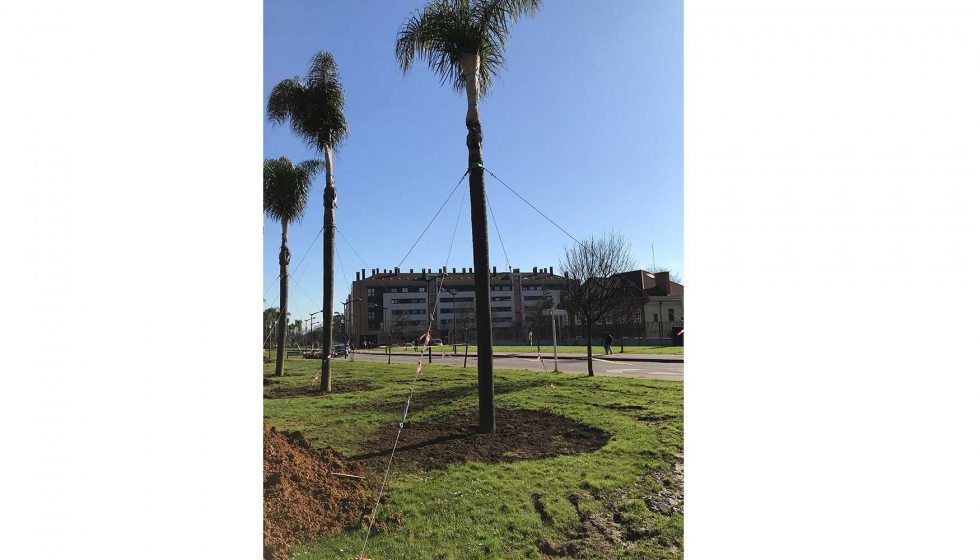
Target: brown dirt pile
{"points": [[303, 500]]}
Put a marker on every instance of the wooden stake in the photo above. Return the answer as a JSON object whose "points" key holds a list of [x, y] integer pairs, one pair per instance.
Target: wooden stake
{"points": [[346, 475]]}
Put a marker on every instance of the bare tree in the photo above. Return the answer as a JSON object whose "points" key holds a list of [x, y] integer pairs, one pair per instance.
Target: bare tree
{"points": [[465, 318], [592, 291], [399, 325]]}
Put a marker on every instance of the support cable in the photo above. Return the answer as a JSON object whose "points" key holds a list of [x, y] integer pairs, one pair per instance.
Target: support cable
{"points": [[507, 260], [433, 218], [418, 371], [556, 225]]}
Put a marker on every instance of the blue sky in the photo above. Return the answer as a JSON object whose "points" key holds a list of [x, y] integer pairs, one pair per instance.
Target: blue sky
{"points": [[586, 123]]}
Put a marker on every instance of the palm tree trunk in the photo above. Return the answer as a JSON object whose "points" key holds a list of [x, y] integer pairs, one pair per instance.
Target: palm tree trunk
{"points": [[588, 342], [481, 245], [283, 299], [328, 246]]}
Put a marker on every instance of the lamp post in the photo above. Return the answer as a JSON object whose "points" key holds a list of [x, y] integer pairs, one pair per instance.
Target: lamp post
{"points": [[435, 277], [311, 327], [349, 320], [387, 327], [554, 338], [454, 316]]}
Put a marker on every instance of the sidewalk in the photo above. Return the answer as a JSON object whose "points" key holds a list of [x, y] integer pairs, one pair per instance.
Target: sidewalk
{"points": [[616, 357]]}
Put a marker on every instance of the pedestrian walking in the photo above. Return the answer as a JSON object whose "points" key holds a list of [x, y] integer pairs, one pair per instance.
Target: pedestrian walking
{"points": [[608, 341]]}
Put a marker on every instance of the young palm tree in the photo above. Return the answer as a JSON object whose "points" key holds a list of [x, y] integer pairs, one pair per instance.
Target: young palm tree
{"points": [[285, 188], [463, 42], [315, 111]]}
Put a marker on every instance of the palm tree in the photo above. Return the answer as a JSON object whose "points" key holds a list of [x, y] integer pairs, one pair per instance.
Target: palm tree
{"points": [[285, 188], [463, 42], [315, 111]]}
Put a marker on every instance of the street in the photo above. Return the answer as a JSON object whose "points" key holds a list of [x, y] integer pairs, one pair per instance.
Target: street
{"points": [[637, 369]]}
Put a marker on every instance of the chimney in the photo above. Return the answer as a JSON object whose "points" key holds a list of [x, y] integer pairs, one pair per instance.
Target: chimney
{"points": [[362, 273], [517, 271], [397, 270], [357, 276], [454, 271], [471, 270], [566, 274], [662, 280], [551, 270], [494, 270], [411, 271], [535, 271]]}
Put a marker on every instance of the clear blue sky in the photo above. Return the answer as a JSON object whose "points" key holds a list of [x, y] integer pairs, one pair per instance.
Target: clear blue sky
{"points": [[586, 123]]}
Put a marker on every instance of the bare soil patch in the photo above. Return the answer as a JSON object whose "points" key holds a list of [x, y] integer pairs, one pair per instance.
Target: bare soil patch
{"points": [[307, 391], [453, 439], [303, 500]]}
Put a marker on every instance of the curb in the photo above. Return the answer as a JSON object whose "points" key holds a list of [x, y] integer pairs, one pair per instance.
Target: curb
{"points": [[609, 358]]}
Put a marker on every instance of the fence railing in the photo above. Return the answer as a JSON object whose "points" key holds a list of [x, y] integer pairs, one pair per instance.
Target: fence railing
{"points": [[662, 329]]}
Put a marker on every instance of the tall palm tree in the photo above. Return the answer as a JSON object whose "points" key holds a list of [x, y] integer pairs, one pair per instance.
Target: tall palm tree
{"points": [[315, 110], [285, 188], [463, 42]]}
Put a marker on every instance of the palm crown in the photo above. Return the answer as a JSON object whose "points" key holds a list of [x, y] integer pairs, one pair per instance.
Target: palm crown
{"points": [[314, 107], [445, 31], [286, 187]]}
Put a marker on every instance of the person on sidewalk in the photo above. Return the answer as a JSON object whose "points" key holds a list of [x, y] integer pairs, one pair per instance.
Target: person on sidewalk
{"points": [[608, 341]]}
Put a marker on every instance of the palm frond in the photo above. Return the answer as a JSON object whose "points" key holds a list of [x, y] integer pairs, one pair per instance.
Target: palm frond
{"points": [[314, 108], [282, 100], [286, 188], [446, 31]]}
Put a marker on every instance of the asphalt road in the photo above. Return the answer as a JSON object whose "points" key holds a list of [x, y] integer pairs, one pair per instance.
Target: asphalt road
{"points": [[637, 369]]}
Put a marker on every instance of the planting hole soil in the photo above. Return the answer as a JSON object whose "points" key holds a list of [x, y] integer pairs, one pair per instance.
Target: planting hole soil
{"points": [[519, 435], [307, 391]]}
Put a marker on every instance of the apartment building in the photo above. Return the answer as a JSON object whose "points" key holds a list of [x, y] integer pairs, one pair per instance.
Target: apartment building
{"points": [[399, 303]]}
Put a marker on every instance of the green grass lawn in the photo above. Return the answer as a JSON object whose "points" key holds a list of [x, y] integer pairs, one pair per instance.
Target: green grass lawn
{"points": [[477, 510], [547, 349]]}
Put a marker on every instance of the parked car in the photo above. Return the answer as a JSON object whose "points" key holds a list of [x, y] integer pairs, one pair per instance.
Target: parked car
{"points": [[435, 342], [340, 350]]}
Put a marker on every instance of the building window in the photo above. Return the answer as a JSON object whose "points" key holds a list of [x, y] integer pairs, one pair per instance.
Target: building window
{"points": [[370, 314], [670, 314], [404, 290], [370, 292], [422, 289]]}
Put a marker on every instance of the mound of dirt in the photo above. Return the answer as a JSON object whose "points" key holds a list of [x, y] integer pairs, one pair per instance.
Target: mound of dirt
{"points": [[303, 499], [520, 435]]}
